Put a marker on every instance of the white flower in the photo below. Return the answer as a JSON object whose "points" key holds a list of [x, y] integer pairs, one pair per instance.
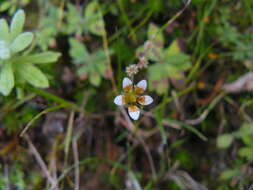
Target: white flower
{"points": [[133, 97]]}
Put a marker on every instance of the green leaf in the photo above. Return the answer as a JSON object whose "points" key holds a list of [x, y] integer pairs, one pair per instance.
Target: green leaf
{"points": [[40, 58], [74, 19], [245, 130], [246, 152], [32, 75], [180, 60], [4, 30], [158, 78], [101, 67], [228, 174], [173, 72], [157, 71], [21, 42], [5, 6], [99, 62], [176, 64], [225, 140], [173, 49], [4, 50], [171, 65], [47, 32], [78, 51], [246, 133], [155, 35], [84, 69], [94, 19], [20, 93], [95, 78], [6, 79], [17, 23], [154, 52], [151, 52]]}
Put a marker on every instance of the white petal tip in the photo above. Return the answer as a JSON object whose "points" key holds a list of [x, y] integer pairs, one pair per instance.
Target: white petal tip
{"points": [[145, 100], [135, 115], [118, 100], [126, 82], [134, 112], [148, 100], [142, 84]]}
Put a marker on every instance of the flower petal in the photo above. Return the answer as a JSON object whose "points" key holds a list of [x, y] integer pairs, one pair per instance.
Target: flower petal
{"points": [[119, 100], [145, 100], [134, 112], [127, 84], [141, 87]]}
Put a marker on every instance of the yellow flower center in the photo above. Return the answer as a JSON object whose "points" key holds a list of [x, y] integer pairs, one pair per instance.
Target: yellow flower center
{"points": [[130, 98]]}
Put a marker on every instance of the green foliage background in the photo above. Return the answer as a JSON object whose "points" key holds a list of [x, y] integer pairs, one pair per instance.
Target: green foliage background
{"points": [[62, 63]]}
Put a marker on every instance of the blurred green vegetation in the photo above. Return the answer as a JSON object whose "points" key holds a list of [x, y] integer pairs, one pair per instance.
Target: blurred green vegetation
{"points": [[59, 129]]}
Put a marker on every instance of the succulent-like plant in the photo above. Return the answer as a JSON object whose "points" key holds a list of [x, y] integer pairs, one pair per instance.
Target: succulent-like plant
{"points": [[16, 65]]}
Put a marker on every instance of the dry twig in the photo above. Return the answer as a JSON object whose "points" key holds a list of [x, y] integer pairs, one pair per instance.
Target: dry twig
{"points": [[244, 83], [76, 160], [133, 129], [40, 162]]}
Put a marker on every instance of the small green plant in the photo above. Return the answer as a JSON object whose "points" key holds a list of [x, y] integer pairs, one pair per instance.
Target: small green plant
{"points": [[17, 66], [12, 5], [239, 44], [170, 62], [245, 134], [47, 28], [91, 64], [72, 21], [88, 20]]}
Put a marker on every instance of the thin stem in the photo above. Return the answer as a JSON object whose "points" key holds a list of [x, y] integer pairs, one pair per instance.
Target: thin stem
{"points": [[172, 19], [40, 162], [76, 161], [106, 48], [53, 97], [178, 94], [38, 116], [136, 28], [69, 135], [124, 28]]}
